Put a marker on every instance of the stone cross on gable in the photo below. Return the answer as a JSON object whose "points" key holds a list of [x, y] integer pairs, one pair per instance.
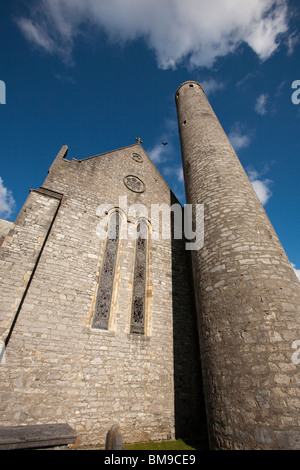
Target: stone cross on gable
{"points": [[139, 140]]}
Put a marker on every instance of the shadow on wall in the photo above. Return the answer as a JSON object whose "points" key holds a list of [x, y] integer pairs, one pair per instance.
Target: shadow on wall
{"points": [[190, 416]]}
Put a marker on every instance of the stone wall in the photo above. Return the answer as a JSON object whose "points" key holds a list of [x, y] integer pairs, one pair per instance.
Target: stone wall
{"points": [[20, 249], [58, 368], [248, 296]]}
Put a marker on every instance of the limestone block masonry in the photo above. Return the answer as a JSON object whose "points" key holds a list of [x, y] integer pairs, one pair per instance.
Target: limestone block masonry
{"points": [[248, 297], [58, 368]]}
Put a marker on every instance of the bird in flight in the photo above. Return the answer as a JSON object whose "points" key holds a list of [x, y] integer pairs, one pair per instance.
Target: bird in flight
{"points": [[164, 143]]}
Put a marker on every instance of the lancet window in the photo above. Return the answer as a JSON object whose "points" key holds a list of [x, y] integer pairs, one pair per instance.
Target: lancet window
{"points": [[107, 275], [138, 309]]}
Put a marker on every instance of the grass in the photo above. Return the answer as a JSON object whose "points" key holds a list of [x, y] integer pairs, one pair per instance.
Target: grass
{"points": [[179, 444]]}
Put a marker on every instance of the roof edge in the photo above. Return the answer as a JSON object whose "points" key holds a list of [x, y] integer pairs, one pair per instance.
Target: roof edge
{"points": [[105, 153]]}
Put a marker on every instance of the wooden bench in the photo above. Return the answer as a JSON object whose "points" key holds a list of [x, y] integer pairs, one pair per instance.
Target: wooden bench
{"points": [[36, 436]]}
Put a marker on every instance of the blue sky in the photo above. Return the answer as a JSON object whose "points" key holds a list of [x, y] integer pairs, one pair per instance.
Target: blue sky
{"points": [[96, 74]]}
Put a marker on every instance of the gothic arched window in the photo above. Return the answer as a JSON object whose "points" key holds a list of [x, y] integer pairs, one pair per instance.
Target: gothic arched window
{"points": [[138, 308], [107, 275]]}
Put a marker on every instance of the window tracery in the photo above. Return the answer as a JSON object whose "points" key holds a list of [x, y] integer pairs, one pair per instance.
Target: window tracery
{"points": [[107, 275], [139, 281], [134, 183]]}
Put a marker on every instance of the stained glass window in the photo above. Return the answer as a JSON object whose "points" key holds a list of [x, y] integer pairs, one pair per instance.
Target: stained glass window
{"points": [[107, 275], [139, 281]]}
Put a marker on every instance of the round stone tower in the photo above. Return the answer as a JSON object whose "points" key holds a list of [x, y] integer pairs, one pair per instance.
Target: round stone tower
{"points": [[247, 294]]}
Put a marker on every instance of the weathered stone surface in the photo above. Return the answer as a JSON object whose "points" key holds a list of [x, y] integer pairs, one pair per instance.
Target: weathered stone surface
{"points": [[36, 436], [248, 296], [57, 367], [114, 440]]}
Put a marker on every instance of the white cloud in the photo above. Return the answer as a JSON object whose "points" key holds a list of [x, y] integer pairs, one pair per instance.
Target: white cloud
{"points": [[262, 35], [35, 33], [262, 190], [260, 186], [245, 79], [292, 41], [176, 30], [179, 174], [297, 271], [157, 153], [260, 104], [173, 171], [7, 202], [211, 85], [237, 138]]}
